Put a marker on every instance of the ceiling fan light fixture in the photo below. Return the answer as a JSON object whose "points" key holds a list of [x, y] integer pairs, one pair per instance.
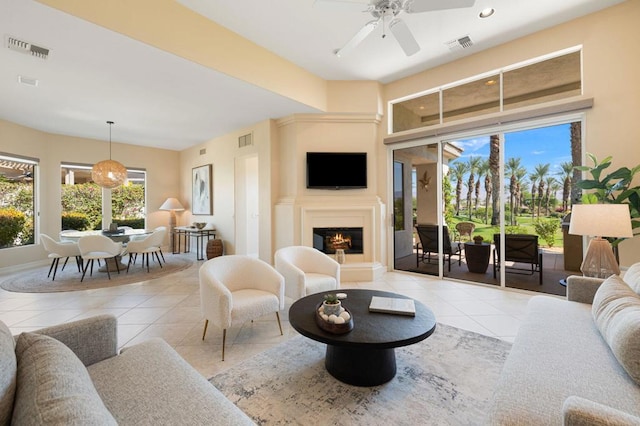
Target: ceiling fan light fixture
{"points": [[485, 13], [109, 173]]}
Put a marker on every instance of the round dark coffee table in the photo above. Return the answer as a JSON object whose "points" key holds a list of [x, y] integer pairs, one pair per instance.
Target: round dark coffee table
{"points": [[365, 356]]}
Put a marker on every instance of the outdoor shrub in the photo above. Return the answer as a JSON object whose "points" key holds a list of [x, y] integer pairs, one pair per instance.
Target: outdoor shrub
{"points": [[514, 229], [134, 223], [547, 229], [74, 220], [11, 223]]}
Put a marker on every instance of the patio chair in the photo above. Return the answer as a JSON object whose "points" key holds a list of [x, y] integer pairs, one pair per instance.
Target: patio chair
{"points": [[428, 244], [465, 229], [519, 248]]}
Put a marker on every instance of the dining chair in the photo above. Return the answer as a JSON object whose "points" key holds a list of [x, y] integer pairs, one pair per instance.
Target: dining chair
{"points": [[306, 270], [96, 247], [237, 288], [150, 245], [58, 250]]}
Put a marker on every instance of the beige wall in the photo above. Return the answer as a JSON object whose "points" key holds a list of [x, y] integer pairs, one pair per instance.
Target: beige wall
{"points": [[222, 153], [611, 67], [162, 168]]}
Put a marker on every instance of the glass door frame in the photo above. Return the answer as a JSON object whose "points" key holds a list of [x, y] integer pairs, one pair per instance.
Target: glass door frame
{"points": [[501, 130]]}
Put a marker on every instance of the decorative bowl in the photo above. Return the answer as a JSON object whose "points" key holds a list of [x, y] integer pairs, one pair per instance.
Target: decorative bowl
{"points": [[199, 225]]}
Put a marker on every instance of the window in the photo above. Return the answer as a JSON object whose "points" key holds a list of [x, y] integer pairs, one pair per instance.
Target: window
{"points": [[398, 195], [17, 200], [512, 87], [82, 199]]}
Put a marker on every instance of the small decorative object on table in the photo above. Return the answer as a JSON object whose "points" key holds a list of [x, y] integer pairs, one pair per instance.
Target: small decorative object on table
{"points": [[340, 256], [199, 225], [331, 316], [478, 239]]}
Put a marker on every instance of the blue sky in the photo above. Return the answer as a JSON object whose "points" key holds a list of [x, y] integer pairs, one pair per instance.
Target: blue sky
{"points": [[538, 146]]}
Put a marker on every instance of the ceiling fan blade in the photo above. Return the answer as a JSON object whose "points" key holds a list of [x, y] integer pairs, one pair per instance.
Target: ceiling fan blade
{"points": [[418, 6], [402, 33], [357, 39]]}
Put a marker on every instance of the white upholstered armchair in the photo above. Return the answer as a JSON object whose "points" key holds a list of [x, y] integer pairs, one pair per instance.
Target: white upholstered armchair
{"points": [[306, 271], [235, 289]]}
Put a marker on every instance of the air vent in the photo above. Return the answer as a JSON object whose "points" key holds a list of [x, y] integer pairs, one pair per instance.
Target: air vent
{"points": [[459, 43], [203, 151], [246, 140], [28, 81], [26, 47]]}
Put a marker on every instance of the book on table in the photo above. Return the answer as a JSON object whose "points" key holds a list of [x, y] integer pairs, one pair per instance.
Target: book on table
{"points": [[392, 305]]}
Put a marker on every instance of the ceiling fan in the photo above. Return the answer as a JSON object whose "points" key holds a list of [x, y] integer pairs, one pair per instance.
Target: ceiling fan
{"points": [[383, 10]]}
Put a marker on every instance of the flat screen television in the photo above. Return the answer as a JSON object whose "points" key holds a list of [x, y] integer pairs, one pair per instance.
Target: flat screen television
{"points": [[336, 170]]}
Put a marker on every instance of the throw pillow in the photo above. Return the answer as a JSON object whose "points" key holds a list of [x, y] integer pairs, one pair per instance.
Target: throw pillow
{"points": [[53, 386], [632, 277], [616, 312]]}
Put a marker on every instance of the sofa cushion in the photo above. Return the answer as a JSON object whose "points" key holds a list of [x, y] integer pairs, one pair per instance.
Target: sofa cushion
{"points": [[632, 277], [149, 383], [53, 386], [616, 311], [8, 369]]}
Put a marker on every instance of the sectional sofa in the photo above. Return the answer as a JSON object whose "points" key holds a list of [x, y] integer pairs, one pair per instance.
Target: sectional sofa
{"points": [[575, 361], [72, 374]]}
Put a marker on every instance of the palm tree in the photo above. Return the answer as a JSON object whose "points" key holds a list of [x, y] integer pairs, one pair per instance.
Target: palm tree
{"points": [[483, 171], [576, 160], [566, 171], [541, 170], [458, 171], [487, 189], [494, 167], [533, 178], [510, 168], [472, 165], [550, 182], [520, 175]]}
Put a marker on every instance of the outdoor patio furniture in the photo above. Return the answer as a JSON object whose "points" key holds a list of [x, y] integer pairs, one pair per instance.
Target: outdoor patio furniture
{"points": [[519, 248], [465, 229], [428, 244]]}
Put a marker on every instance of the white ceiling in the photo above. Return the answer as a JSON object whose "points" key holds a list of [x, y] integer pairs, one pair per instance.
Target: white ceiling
{"points": [[157, 99]]}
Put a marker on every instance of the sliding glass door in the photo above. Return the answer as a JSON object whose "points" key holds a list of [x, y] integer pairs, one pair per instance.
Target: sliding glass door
{"points": [[490, 208]]}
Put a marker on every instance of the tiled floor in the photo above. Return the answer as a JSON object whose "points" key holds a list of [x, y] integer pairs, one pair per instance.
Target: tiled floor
{"points": [[169, 307]]}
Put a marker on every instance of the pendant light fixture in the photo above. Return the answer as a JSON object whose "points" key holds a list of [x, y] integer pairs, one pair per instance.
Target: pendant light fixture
{"points": [[109, 173]]}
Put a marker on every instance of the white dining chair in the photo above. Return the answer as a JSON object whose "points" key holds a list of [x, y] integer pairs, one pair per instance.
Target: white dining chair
{"points": [[96, 247], [58, 250], [150, 245], [235, 289]]}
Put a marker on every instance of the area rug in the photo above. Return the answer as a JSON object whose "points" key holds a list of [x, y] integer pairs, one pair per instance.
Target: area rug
{"points": [[447, 379], [35, 280]]}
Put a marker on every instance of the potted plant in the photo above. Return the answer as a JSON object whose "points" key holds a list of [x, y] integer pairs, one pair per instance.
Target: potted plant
{"points": [[331, 304], [478, 239]]}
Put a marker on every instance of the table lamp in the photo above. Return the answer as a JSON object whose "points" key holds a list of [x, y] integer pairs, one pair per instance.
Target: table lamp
{"points": [[600, 220], [173, 205]]}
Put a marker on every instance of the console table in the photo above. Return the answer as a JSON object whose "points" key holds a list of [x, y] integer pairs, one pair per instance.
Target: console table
{"points": [[185, 233]]}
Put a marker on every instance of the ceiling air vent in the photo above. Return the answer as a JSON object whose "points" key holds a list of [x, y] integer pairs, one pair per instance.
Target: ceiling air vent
{"points": [[26, 47], [246, 140], [459, 43]]}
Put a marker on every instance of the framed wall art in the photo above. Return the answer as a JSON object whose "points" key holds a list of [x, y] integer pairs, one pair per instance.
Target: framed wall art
{"points": [[201, 190]]}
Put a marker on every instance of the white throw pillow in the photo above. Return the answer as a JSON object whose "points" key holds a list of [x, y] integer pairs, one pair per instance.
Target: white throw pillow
{"points": [[616, 312], [632, 277]]}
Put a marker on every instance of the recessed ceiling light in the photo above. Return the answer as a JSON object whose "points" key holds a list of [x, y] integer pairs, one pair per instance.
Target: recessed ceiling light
{"points": [[490, 82], [487, 12]]}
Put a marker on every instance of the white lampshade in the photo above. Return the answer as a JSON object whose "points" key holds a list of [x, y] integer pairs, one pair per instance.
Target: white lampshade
{"points": [[601, 220], [171, 204]]}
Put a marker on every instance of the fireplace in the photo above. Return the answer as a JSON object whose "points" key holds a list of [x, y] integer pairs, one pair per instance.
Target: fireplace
{"points": [[328, 240]]}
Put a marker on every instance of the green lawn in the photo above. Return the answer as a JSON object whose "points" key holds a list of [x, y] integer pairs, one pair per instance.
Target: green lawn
{"points": [[525, 224]]}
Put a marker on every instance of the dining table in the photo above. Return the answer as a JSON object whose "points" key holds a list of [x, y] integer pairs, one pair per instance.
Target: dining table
{"points": [[121, 235]]}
